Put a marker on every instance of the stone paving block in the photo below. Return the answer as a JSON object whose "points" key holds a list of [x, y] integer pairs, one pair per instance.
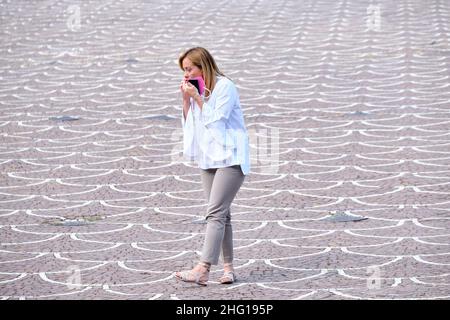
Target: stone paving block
{"points": [[347, 108]]}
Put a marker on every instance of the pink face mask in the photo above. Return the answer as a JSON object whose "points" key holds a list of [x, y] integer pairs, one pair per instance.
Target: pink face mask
{"points": [[199, 83]]}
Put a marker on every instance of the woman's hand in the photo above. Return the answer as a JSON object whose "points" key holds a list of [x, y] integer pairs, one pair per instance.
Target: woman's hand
{"points": [[190, 90], [183, 92]]}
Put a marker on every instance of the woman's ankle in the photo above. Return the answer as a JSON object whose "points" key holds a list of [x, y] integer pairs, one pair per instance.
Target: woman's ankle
{"points": [[228, 266], [205, 265]]}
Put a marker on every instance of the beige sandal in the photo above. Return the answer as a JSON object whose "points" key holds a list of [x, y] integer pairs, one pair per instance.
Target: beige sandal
{"points": [[228, 278], [200, 278]]}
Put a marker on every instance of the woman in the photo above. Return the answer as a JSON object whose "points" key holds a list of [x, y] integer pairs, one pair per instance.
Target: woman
{"points": [[215, 136]]}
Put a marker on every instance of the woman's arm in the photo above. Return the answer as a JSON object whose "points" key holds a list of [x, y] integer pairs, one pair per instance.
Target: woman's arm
{"points": [[186, 100], [186, 107], [190, 91], [225, 102], [198, 99]]}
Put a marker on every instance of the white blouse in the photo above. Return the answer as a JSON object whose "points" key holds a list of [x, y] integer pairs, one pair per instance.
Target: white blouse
{"points": [[215, 136]]}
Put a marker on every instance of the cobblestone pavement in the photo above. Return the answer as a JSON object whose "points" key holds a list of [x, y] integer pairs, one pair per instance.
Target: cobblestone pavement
{"points": [[347, 106]]}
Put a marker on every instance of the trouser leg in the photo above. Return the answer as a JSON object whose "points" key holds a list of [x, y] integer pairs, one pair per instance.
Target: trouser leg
{"points": [[227, 243], [226, 183]]}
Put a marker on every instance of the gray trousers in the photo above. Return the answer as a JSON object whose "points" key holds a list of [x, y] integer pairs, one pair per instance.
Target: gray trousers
{"points": [[221, 186]]}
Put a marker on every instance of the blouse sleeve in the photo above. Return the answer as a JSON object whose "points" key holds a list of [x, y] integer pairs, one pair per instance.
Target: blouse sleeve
{"points": [[188, 135], [215, 116], [224, 104]]}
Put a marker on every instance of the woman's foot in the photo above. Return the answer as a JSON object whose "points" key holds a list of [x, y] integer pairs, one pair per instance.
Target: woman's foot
{"points": [[198, 275], [228, 275]]}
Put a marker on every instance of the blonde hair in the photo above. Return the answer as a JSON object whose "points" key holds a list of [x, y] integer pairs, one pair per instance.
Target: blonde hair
{"points": [[203, 60]]}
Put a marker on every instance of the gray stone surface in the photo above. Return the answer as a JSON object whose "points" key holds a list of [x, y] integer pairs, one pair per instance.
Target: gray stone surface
{"points": [[347, 107]]}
